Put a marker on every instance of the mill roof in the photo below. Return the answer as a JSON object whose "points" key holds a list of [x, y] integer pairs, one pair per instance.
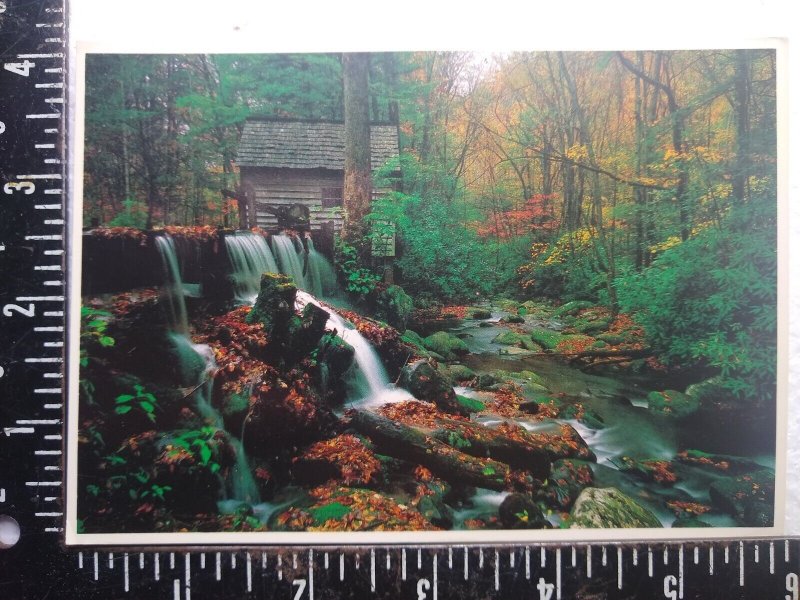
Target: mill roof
{"points": [[307, 144]]}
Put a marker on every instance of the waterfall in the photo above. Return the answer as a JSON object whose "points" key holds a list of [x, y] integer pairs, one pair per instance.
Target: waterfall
{"points": [[198, 366], [250, 256], [372, 385], [173, 285], [289, 258], [321, 273]]}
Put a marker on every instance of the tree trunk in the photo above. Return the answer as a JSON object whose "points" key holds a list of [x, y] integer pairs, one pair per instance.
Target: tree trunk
{"points": [[357, 192], [742, 115], [407, 443]]}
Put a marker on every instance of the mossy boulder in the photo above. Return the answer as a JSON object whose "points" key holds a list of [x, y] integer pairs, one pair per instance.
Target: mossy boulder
{"points": [[672, 403], [274, 304], [609, 508], [446, 344], [519, 511], [460, 373], [512, 338], [546, 338], [749, 498], [481, 314], [394, 306], [512, 319], [571, 308], [532, 377], [426, 383], [612, 339], [591, 327], [470, 404], [707, 391], [567, 479]]}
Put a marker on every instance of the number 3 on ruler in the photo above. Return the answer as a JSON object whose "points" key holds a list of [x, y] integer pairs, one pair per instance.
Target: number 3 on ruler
{"points": [[792, 586]]}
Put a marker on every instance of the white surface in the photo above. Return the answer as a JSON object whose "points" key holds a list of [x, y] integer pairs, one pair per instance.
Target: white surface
{"points": [[283, 25]]}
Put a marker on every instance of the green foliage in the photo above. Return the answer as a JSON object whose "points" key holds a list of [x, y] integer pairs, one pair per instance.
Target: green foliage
{"points": [[140, 399], [456, 441], [334, 510], [712, 300], [356, 278], [198, 443], [94, 323], [133, 214]]}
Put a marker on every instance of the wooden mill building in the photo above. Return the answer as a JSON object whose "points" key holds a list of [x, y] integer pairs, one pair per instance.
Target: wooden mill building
{"points": [[283, 163]]}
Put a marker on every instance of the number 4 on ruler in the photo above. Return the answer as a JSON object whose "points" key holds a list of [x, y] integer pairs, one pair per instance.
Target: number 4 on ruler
{"points": [[545, 589]]}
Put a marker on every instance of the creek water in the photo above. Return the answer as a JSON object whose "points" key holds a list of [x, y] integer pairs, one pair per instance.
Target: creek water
{"points": [[630, 429]]}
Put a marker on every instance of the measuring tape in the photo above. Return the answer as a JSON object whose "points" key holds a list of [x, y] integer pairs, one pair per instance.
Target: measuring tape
{"points": [[34, 564]]}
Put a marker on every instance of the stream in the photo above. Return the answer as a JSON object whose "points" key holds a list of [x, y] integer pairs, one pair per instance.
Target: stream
{"points": [[618, 399]]}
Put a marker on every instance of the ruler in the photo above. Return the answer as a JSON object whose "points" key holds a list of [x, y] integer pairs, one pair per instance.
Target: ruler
{"points": [[35, 564]]}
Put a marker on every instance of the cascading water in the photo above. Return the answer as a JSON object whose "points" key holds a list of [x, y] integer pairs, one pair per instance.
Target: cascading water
{"points": [[198, 367], [173, 285], [371, 385], [250, 256], [289, 259], [321, 273]]}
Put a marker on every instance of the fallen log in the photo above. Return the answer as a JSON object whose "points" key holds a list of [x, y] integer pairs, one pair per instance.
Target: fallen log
{"points": [[479, 440], [407, 443]]}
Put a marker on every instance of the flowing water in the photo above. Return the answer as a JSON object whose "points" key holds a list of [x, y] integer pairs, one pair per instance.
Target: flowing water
{"points": [[198, 366], [370, 384], [291, 259], [250, 256], [621, 401]]}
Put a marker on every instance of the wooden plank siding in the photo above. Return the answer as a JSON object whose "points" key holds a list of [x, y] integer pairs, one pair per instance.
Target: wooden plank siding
{"points": [[280, 187]]}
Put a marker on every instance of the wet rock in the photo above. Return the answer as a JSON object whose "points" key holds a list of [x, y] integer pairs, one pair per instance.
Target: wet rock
{"points": [[481, 314], [720, 463], [485, 325], [567, 479], [434, 509], [460, 373], [748, 498], [274, 305], [512, 338], [571, 308], [530, 407], [334, 358], [612, 339], [446, 345], [512, 319], [394, 306], [486, 381], [672, 403], [653, 470], [583, 415], [608, 508], [519, 511], [689, 522], [426, 383], [284, 416]]}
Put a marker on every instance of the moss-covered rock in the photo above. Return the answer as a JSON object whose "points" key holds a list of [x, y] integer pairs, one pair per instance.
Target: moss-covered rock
{"points": [[546, 338], [673, 403], [749, 497], [512, 319], [275, 301], [708, 390], [394, 306], [426, 383], [591, 327], [446, 345], [609, 508], [460, 373], [519, 511], [567, 478], [571, 308], [481, 314], [470, 404], [612, 339]]}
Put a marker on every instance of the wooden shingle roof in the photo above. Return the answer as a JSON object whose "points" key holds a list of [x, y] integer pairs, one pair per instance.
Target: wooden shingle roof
{"points": [[307, 144]]}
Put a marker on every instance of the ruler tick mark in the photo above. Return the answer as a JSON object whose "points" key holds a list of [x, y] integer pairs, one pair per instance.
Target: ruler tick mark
{"points": [[527, 562], [466, 563], [126, 571], [341, 566], [772, 558], [372, 570], [741, 564], [96, 566], [588, 562], [496, 570], [187, 575], [649, 562], [218, 567], [542, 557], [157, 567], [619, 567], [711, 560]]}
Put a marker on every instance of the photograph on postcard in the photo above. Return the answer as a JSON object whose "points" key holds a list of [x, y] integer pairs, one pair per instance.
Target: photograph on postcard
{"points": [[427, 292]]}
